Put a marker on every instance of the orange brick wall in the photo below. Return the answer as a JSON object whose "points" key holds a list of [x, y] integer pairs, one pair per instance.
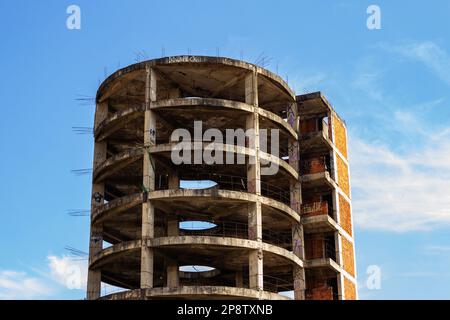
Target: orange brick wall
{"points": [[343, 179], [340, 138], [348, 256], [314, 165], [349, 290], [321, 293], [345, 215], [315, 208], [314, 246], [308, 125]]}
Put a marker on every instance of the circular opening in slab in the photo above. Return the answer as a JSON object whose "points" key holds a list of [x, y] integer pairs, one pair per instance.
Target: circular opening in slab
{"points": [[196, 225], [197, 184], [196, 268]]}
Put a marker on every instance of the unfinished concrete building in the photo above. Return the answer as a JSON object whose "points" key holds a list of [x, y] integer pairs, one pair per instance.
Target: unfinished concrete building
{"points": [[247, 235]]}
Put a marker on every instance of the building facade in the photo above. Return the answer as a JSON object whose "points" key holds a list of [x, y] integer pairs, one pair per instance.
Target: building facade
{"points": [[212, 179]]}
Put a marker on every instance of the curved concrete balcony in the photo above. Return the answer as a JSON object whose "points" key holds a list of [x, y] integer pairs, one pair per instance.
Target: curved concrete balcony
{"points": [[195, 292], [116, 121]]}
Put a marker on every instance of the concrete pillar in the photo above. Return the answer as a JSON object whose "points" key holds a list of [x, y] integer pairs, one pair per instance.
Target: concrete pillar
{"points": [[173, 279], [255, 272], [239, 278], [252, 127], [173, 228], [148, 210], [335, 200], [148, 232], [255, 221], [298, 246], [174, 180], [254, 183], [251, 88], [94, 276], [340, 286], [97, 199], [298, 273]]}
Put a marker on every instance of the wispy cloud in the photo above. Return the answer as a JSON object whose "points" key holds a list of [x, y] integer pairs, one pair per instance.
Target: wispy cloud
{"points": [[427, 52], [401, 191], [19, 285], [368, 79], [437, 249], [61, 275]]}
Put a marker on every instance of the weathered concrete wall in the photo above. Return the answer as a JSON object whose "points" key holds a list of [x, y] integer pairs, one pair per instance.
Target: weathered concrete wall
{"points": [[345, 215]]}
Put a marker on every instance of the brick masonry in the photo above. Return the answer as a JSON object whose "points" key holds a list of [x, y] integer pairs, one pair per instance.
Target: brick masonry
{"points": [[345, 215], [350, 290], [314, 246], [343, 179], [340, 135], [348, 256]]}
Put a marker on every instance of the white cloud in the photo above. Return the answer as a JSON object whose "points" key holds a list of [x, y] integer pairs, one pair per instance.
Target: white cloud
{"points": [[427, 52], [68, 271], [71, 273], [401, 191], [19, 285]]}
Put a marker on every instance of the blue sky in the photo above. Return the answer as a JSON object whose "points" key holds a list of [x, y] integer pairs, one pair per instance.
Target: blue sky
{"points": [[391, 86]]}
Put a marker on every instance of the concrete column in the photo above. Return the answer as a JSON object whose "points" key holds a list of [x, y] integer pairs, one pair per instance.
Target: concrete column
{"points": [[239, 278], [94, 275], [340, 285], [298, 273], [255, 221], [97, 199], [147, 257], [254, 183], [251, 88], [252, 127], [173, 279], [292, 117], [148, 210], [174, 180], [299, 283], [255, 272], [173, 228], [298, 246], [335, 200]]}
